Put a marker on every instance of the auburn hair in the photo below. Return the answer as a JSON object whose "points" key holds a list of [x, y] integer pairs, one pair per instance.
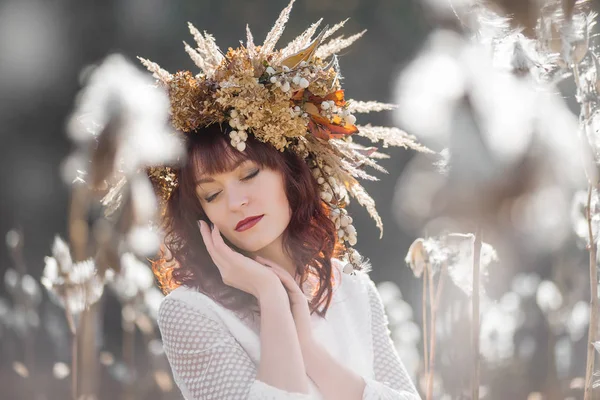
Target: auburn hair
{"points": [[310, 238]]}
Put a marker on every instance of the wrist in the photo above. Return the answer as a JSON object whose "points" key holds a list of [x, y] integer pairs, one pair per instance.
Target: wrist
{"points": [[271, 294]]}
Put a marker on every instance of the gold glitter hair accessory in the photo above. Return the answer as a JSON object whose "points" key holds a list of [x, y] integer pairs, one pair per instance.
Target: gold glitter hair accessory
{"points": [[261, 90]]}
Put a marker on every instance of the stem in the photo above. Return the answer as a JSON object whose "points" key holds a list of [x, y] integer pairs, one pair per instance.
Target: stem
{"points": [[71, 322], [434, 302], [438, 295], [425, 342], [88, 353], [74, 365], [475, 326], [592, 182], [589, 370], [78, 228], [78, 243], [128, 355], [431, 338]]}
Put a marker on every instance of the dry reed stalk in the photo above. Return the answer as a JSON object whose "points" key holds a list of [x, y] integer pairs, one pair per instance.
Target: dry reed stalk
{"points": [[475, 323]]}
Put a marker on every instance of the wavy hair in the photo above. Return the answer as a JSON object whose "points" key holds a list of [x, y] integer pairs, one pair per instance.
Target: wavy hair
{"points": [[310, 238]]}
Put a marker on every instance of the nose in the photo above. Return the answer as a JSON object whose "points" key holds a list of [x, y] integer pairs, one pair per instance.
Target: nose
{"points": [[237, 198]]}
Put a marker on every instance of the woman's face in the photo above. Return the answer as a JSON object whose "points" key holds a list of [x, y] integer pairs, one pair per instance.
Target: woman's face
{"points": [[246, 192]]}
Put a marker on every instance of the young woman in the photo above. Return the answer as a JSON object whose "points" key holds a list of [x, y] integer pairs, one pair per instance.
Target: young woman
{"points": [[267, 298]]}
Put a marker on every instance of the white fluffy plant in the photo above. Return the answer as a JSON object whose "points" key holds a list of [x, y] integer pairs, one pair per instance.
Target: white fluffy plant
{"points": [[455, 255], [511, 141], [134, 287], [119, 128], [76, 287]]}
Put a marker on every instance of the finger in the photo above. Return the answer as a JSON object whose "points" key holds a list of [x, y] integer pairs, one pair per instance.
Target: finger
{"points": [[284, 279], [283, 274], [210, 245], [273, 265], [205, 232], [291, 287], [218, 242], [223, 251], [207, 237], [267, 262]]}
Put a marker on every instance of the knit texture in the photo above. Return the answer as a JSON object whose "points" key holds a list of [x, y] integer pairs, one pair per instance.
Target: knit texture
{"points": [[214, 355]]}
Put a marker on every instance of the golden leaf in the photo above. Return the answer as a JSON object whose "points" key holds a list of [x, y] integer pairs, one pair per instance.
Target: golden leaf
{"points": [[311, 109], [304, 54]]}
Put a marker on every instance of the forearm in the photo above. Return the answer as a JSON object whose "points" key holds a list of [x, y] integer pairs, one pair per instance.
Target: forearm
{"points": [[334, 380], [281, 362]]}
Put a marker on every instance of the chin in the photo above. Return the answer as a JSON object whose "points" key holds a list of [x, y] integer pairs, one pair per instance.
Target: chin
{"points": [[254, 246], [255, 243]]}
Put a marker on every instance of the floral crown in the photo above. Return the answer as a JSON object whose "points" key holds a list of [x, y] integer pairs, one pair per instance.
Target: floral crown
{"points": [[261, 90]]}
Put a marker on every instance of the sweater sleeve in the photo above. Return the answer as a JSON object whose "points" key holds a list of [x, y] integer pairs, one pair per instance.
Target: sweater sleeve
{"points": [[391, 380], [206, 360]]}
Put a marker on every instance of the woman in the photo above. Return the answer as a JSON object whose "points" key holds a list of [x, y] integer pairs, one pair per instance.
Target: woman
{"points": [[261, 305]]}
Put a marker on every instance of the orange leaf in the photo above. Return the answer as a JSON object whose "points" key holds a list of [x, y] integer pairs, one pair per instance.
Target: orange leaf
{"points": [[318, 130], [337, 97], [339, 132], [337, 120], [322, 128]]}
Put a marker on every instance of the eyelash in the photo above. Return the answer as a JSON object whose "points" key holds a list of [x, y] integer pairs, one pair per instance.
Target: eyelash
{"points": [[247, 178]]}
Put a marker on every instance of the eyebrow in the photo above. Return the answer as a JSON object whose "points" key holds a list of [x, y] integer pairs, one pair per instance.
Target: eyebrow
{"points": [[208, 179]]}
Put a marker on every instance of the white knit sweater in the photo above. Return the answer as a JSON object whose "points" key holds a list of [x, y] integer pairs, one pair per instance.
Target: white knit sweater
{"points": [[214, 354]]}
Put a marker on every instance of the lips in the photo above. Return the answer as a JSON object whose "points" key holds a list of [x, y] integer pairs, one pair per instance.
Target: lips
{"points": [[248, 223]]}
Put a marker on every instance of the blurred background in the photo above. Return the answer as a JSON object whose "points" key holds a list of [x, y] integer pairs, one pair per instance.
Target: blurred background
{"points": [[44, 47]]}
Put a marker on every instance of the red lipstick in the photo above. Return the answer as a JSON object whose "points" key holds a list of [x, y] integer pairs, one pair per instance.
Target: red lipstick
{"points": [[248, 223]]}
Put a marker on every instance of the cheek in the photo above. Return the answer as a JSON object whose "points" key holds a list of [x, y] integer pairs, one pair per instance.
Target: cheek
{"points": [[282, 199], [272, 193], [214, 214]]}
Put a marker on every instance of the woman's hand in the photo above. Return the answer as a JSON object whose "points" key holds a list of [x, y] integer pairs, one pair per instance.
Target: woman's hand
{"points": [[298, 302], [237, 270]]}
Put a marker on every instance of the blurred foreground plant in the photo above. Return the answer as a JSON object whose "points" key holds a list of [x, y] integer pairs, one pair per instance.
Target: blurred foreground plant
{"points": [[511, 160], [452, 254], [119, 127]]}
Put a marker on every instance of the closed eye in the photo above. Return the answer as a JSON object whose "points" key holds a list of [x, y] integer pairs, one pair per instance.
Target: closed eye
{"points": [[247, 178], [252, 175]]}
